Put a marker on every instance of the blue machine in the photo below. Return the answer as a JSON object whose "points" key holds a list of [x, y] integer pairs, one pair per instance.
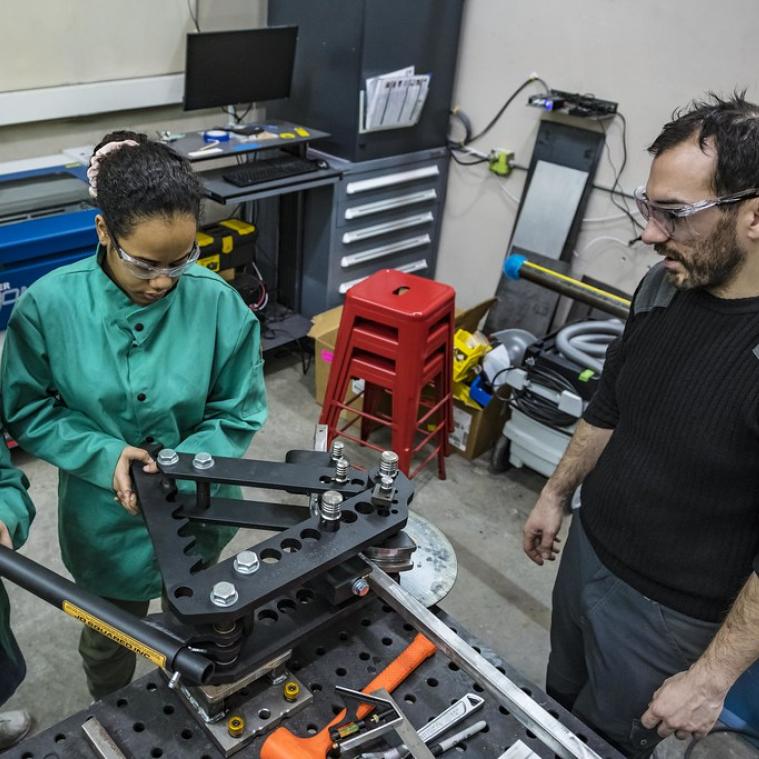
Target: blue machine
{"points": [[46, 221]]}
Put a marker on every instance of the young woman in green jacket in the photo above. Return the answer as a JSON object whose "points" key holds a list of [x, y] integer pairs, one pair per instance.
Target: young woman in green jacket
{"points": [[133, 347]]}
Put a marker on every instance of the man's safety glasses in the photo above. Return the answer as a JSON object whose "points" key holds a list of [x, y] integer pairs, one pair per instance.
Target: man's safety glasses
{"points": [[143, 270], [681, 223]]}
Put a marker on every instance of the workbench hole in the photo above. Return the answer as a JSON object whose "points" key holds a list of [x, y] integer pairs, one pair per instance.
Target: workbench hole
{"points": [[264, 714], [453, 666], [583, 738], [527, 691], [477, 649], [312, 729], [501, 670], [183, 592], [485, 729], [291, 545], [387, 641], [325, 479], [310, 534], [304, 596], [320, 651], [503, 710], [364, 507], [315, 687], [286, 606], [59, 738], [156, 752], [270, 556], [336, 709], [168, 709], [386, 608], [530, 734], [553, 713], [393, 511], [357, 481], [411, 698], [408, 628], [349, 517], [343, 635], [461, 747], [138, 727], [341, 672], [122, 702], [383, 512], [478, 688], [432, 682], [267, 616], [364, 656], [152, 687], [186, 734], [27, 755]]}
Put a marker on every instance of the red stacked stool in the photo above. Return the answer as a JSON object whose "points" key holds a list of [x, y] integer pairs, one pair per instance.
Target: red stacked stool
{"points": [[396, 334]]}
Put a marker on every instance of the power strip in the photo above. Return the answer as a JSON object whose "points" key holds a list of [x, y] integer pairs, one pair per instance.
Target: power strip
{"points": [[574, 104]]}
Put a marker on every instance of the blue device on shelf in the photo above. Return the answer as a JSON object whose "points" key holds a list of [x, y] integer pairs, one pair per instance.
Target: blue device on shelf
{"points": [[46, 221]]}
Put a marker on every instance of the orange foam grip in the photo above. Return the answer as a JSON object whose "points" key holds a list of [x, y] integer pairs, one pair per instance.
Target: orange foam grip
{"points": [[282, 744]]}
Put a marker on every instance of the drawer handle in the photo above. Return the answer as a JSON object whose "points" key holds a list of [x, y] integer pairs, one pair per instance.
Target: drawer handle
{"points": [[388, 180], [379, 206], [419, 265], [384, 250], [389, 226]]}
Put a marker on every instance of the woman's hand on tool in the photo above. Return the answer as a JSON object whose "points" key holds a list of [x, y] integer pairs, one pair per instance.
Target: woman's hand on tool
{"points": [[122, 480]]}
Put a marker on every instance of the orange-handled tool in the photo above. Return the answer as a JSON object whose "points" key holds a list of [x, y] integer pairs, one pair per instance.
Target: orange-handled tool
{"points": [[282, 744]]}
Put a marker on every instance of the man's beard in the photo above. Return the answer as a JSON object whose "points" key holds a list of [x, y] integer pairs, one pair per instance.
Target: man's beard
{"points": [[710, 262]]}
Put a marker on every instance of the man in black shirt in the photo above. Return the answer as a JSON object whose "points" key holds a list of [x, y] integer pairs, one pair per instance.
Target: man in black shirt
{"points": [[656, 604]]}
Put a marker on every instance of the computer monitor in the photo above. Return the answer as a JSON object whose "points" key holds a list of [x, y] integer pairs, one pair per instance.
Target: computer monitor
{"points": [[242, 66]]}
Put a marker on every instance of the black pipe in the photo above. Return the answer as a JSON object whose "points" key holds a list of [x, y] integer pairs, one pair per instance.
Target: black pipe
{"points": [[118, 625]]}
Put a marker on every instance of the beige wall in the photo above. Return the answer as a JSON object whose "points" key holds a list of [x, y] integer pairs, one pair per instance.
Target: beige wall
{"points": [[648, 55], [145, 37]]}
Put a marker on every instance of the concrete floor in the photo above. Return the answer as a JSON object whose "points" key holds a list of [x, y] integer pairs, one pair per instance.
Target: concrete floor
{"points": [[500, 595]]}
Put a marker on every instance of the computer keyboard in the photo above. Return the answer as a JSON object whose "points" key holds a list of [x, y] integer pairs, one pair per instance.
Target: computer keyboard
{"points": [[268, 169]]}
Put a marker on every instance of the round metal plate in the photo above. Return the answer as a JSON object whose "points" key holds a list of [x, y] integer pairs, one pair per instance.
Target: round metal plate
{"points": [[435, 564]]}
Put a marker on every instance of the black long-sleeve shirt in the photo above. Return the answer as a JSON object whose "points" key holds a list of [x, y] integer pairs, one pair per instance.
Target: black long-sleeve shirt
{"points": [[672, 506]]}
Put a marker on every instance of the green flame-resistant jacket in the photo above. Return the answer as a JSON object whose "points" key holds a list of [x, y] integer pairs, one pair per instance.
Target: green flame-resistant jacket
{"points": [[87, 372]]}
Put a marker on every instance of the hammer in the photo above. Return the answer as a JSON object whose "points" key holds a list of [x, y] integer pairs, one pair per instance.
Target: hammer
{"points": [[282, 744]]}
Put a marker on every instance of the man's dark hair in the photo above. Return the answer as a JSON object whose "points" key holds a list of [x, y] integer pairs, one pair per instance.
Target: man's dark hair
{"points": [[731, 125], [138, 182]]}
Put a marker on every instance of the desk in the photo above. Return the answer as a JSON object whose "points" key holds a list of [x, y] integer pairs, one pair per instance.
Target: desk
{"points": [[333, 227]]}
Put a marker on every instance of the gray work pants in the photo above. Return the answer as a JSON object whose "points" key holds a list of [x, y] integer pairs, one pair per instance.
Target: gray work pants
{"points": [[611, 647]]}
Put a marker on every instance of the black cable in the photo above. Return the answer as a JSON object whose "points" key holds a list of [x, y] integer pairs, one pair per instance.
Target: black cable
{"points": [[616, 188], [695, 741], [194, 16], [541, 409], [508, 102]]}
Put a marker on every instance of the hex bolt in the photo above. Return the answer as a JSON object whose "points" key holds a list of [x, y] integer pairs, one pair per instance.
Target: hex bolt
{"points": [[342, 467], [167, 457], [246, 562], [360, 587], [224, 594], [331, 505], [388, 463], [202, 460], [338, 447]]}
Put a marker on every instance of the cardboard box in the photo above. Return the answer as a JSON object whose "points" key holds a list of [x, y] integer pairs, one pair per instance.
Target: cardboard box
{"points": [[476, 430], [324, 333]]}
